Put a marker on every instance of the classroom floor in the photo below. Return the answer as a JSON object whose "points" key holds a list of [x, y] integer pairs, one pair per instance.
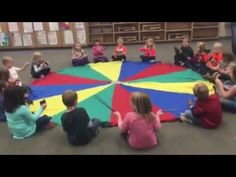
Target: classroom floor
{"points": [[175, 137]]}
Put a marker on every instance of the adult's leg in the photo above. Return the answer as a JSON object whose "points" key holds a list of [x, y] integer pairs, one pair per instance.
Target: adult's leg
{"points": [[228, 105]]}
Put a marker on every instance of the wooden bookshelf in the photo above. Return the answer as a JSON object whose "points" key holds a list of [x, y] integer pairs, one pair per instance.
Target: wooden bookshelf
{"points": [[138, 32], [205, 30]]}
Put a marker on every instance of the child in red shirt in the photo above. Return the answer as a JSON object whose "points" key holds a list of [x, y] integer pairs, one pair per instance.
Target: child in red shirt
{"points": [[141, 125], [214, 59], [149, 51], [206, 112], [120, 51], [216, 56]]}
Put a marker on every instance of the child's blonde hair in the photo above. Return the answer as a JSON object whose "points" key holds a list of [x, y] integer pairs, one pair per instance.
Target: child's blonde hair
{"points": [[36, 56], [202, 46], [69, 98], [218, 45], [6, 59], [201, 90], [120, 40], [143, 105]]}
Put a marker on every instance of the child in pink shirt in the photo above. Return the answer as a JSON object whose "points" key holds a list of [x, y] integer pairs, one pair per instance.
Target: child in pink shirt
{"points": [[98, 52], [141, 125], [149, 51]]}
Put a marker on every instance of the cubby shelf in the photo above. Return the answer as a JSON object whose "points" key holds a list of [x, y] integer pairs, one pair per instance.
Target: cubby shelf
{"points": [[163, 31]]}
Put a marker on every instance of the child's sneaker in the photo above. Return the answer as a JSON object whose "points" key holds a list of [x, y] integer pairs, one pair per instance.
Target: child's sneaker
{"points": [[152, 61], [182, 117]]}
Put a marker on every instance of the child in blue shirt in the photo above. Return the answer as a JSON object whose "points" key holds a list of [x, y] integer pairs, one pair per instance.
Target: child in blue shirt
{"points": [[21, 122]]}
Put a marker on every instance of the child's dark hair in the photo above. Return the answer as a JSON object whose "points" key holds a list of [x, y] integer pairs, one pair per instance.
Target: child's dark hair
{"points": [[13, 98], [69, 97], [2, 86], [97, 40], [4, 74]]}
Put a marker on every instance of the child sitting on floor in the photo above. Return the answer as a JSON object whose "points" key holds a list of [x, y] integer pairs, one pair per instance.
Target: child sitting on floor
{"points": [[214, 59], [149, 51], [206, 112], [2, 109], [140, 126], [98, 52], [79, 56], [120, 51], [21, 122], [75, 121], [184, 54], [14, 78], [221, 69], [199, 59], [39, 68]]}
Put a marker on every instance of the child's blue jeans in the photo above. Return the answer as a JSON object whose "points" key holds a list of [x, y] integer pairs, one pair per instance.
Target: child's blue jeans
{"points": [[189, 115]]}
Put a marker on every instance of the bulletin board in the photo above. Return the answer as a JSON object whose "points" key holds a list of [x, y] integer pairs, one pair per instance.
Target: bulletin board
{"points": [[22, 35]]}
